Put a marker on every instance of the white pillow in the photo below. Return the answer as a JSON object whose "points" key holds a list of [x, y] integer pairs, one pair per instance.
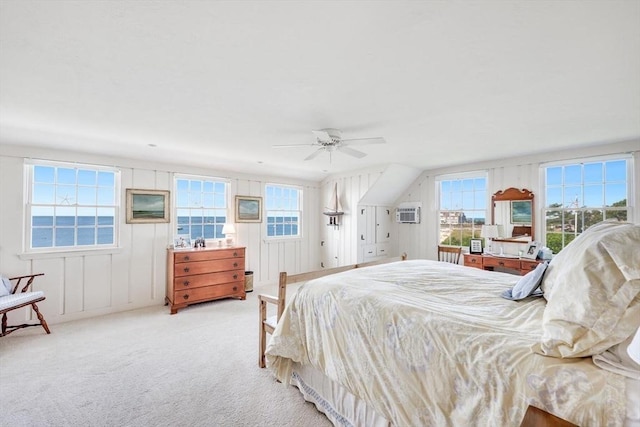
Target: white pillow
{"points": [[5, 286], [527, 285], [592, 289]]}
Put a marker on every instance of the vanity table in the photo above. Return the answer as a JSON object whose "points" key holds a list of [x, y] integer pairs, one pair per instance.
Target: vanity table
{"points": [[492, 262]]}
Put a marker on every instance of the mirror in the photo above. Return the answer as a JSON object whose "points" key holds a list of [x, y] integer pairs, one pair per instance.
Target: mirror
{"points": [[513, 209]]}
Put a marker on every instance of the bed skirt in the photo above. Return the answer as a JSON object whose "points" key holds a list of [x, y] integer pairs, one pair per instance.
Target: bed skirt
{"points": [[346, 410], [340, 406]]}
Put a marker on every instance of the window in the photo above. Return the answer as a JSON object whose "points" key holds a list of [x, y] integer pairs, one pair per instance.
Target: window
{"points": [[578, 195], [201, 207], [462, 208], [72, 206], [284, 210]]}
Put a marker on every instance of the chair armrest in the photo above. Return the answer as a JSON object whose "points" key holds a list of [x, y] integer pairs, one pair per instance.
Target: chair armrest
{"points": [[25, 288], [268, 298]]}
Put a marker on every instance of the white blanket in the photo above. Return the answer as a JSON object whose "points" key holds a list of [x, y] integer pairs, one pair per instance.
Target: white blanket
{"points": [[430, 343]]}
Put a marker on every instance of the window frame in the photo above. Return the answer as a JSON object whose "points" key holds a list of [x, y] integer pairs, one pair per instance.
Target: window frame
{"points": [[29, 181], [300, 211], [478, 174], [583, 209], [175, 207]]}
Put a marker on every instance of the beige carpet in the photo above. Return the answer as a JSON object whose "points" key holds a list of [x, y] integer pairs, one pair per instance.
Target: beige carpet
{"points": [[147, 368]]}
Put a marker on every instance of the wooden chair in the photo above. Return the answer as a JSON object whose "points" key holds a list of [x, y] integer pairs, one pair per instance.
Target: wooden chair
{"points": [[449, 254], [17, 297], [268, 324]]}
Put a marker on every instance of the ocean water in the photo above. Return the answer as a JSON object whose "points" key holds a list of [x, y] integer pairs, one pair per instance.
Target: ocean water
{"points": [[60, 231], [90, 230]]}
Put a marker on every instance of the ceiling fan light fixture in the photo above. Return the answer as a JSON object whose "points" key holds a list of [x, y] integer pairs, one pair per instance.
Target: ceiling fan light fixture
{"points": [[330, 140]]}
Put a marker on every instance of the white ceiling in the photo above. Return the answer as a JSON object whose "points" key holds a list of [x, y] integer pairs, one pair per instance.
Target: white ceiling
{"points": [[218, 83]]}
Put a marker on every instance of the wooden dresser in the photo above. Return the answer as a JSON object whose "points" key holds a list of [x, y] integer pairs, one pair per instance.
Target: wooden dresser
{"points": [[197, 275], [491, 262]]}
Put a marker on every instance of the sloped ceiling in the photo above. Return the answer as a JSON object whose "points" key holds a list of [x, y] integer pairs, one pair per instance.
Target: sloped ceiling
{"points": [[217, 83]]}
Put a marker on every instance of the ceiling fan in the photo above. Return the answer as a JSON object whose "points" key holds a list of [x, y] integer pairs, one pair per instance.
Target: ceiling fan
{"points": [[330, 140]]}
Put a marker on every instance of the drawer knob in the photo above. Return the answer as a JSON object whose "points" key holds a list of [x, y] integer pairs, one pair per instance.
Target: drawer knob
{"points": [[186, 258], [185, 296], [235, 276], [186, 283], [501, 263], [235, 264], [235, 288], [186, 269], [473, 260], [235, 254]]}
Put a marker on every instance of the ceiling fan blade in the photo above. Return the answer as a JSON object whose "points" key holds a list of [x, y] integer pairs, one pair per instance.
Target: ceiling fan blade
{"points": [[351, 151], [363, 141], [292, 145], [322, 135], [314, 154]]}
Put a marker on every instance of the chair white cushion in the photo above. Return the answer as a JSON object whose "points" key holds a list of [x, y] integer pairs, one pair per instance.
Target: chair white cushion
{"points": [[14, 300], [5, 286]]}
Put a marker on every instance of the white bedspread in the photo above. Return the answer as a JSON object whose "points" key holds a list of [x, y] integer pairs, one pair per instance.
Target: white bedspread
{"points": [[427, 343]]}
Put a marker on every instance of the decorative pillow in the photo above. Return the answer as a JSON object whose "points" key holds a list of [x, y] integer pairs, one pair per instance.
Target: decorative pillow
{"points": [[527, 285], [592, 289], [5, 286]]}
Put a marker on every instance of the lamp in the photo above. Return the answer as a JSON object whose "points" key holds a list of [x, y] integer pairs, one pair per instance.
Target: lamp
{"points": [[489, 232], [229, 230]]}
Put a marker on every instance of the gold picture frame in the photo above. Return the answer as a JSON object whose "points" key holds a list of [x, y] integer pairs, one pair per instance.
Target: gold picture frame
{"points": [[147, 206], [248, 209]]}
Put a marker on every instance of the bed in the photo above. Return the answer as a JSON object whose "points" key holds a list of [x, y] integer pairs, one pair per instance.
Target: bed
{"points": [[426, 343]]}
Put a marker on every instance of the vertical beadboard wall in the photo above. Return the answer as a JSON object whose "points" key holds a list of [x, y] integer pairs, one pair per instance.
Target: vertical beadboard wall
{"points": [[90, 284], [340, 244]]}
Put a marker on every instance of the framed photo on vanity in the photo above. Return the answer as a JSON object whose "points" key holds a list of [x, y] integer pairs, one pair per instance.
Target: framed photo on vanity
{"points": [[532, 250], [475, 246]]}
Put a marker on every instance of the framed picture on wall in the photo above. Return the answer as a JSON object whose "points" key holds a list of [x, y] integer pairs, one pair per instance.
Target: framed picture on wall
{"points": [[147, 206], [248, 209], [475, 246]]}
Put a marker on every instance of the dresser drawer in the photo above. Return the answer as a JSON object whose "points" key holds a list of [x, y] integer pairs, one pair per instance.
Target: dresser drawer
{"points": [[199, 267], [527, 266], [473, 261], [207, 293], [502, 262], [207, 279], [206, 255]]}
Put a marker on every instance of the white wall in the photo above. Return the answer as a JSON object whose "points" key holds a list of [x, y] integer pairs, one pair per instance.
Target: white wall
{"points": [[419, 240], [86, 284]]}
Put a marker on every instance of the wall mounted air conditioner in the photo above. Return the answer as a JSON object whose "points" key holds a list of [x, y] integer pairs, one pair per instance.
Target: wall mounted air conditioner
{"points": [[408, 215]]}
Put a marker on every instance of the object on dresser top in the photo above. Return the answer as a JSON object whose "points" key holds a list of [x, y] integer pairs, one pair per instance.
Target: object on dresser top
{"points": [[204, 274]]}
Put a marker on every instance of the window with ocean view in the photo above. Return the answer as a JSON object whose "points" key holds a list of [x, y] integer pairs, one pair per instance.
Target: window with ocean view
{"points": [[462, 208], [201, 207], [284, 210], [71, 206], [578, 195]]}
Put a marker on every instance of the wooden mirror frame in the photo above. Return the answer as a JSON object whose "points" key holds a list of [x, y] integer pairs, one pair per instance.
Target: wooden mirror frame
{"points": [[509, 195]]}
